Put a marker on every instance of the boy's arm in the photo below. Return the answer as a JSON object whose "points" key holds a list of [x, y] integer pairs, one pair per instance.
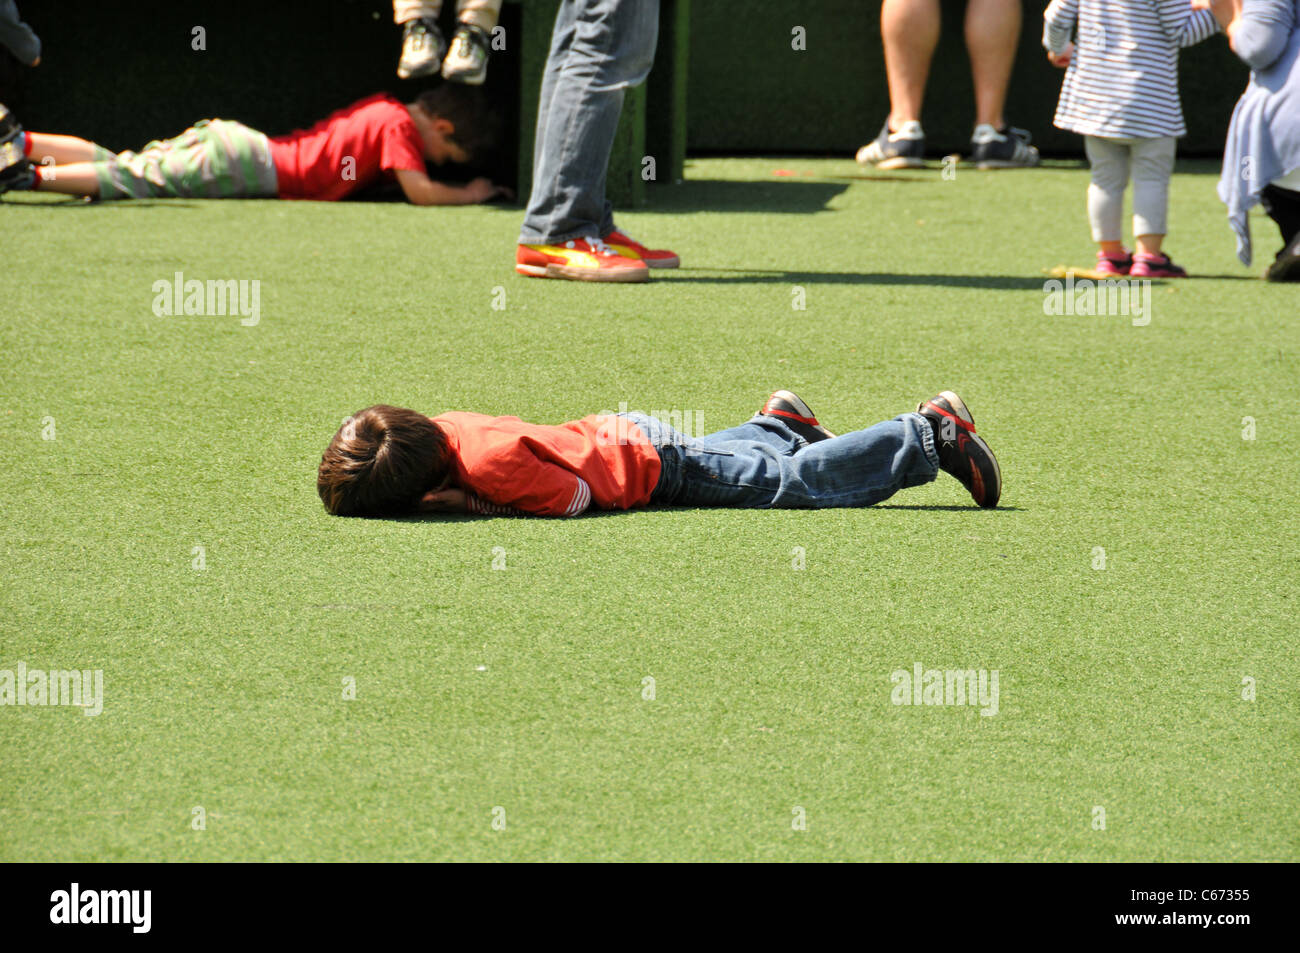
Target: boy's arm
{"points": [[1183, 25], [422, 190], [454, 500], [514, 479], [1058, 23]]}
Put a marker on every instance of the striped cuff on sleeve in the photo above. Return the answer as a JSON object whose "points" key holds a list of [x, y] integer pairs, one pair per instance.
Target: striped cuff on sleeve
{"points": [[478, 505], [581, 499]]}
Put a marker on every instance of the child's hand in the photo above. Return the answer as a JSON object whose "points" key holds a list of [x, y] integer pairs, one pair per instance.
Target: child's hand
{"points": [[1225, 11], [449, 500], [482, 190], [1062, 59]]}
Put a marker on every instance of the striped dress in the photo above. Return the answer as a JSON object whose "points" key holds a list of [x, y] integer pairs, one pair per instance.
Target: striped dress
{"points": [[1122, 82]]}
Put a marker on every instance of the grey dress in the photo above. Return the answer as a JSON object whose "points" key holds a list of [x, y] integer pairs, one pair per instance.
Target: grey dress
{"points": [[1264, 137]]}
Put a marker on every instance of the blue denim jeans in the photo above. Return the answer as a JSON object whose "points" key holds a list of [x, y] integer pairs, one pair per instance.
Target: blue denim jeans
{"points": [[598, 49], [763, 463]]}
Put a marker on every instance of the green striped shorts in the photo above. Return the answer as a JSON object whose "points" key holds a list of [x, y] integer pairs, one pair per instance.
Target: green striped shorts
{"points": [[214, 159]]}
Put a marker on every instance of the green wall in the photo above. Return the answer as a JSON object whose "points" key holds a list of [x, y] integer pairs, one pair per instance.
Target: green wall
{"points": [[749, 91], [125, 73]]}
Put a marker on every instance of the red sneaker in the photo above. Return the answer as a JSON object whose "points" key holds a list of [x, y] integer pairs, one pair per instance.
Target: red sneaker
{"points": [[580, 259], [962, 452], [653, 257], [1155, 266], [798, 416], [1114, 264]]}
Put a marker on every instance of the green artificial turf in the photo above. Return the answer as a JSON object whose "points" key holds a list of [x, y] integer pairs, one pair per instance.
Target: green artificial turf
{"points": [[522, 688]]}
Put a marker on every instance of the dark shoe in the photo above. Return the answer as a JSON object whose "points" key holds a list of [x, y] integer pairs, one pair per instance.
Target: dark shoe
{"points": [[904, 149], [1286, 266], [17, 177], [15, 168], [10, 127], [1005, 148], [962, 453], [797, 415]]}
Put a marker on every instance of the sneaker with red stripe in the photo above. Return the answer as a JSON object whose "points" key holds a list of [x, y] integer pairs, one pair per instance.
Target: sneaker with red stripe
{"points": [[580, 259], [797, 415], [962, 452], [653, 257]]}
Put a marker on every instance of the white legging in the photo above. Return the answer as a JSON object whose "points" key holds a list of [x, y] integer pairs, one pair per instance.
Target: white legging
{"points": [[1151, 162], [483, 13]]}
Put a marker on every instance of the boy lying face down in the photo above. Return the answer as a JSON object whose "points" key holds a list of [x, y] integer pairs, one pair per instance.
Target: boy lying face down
{"points": [[374, 140], [391, 461]]}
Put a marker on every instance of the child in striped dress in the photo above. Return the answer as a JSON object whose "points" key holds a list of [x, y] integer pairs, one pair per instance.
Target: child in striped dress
{"points": [[1121, 94]]}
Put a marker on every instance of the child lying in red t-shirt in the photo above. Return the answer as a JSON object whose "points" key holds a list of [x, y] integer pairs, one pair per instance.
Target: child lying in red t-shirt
{"points": [[387, 461], [374, 140]]}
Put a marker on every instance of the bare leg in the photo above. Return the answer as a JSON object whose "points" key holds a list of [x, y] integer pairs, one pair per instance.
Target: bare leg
{"points": [[1149, 244], [61, 149], [910, 30], [992, 32], [78, 178]]}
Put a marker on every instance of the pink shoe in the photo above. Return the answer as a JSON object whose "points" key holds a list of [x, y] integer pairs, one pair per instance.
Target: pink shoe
{"points": [[1155, 266], [1114, 265]]}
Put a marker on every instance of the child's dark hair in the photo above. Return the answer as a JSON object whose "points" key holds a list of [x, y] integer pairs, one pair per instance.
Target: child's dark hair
{"points": [[467, 108], [381, 461]]}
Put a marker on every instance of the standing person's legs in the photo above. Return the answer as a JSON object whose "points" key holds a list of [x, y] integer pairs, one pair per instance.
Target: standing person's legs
{"points": [[423, 45], [992, 32], [562, 34], [909, 30], [1283, 207], [1109, 161], [483, 14], [405, 10], [1153, 164], [603, 47]]}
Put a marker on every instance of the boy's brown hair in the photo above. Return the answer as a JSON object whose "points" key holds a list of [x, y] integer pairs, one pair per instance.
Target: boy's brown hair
{"points": [[477, 125], [381, 461]]}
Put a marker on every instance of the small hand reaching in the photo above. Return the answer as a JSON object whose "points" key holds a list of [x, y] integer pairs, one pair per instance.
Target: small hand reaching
{"points": [[1062, 59], [483, 190], [447, 500]]}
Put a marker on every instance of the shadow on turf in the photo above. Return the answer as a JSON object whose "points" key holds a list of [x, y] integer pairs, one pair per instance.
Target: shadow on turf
{"points": [[606, 514], [778, 276], [945, 507], [727, 195], [83, 203]]}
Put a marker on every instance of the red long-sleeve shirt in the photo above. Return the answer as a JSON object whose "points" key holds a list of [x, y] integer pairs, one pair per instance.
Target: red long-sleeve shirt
{"points": [[348, 150], [505, 463]]}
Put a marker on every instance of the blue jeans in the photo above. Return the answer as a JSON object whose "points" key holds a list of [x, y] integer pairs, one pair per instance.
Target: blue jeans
{"points": [[598, 49], [763, 463]]}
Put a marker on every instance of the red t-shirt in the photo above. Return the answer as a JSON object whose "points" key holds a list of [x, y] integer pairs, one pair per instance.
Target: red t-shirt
{"points": [[349, 150], [507, 464]]}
